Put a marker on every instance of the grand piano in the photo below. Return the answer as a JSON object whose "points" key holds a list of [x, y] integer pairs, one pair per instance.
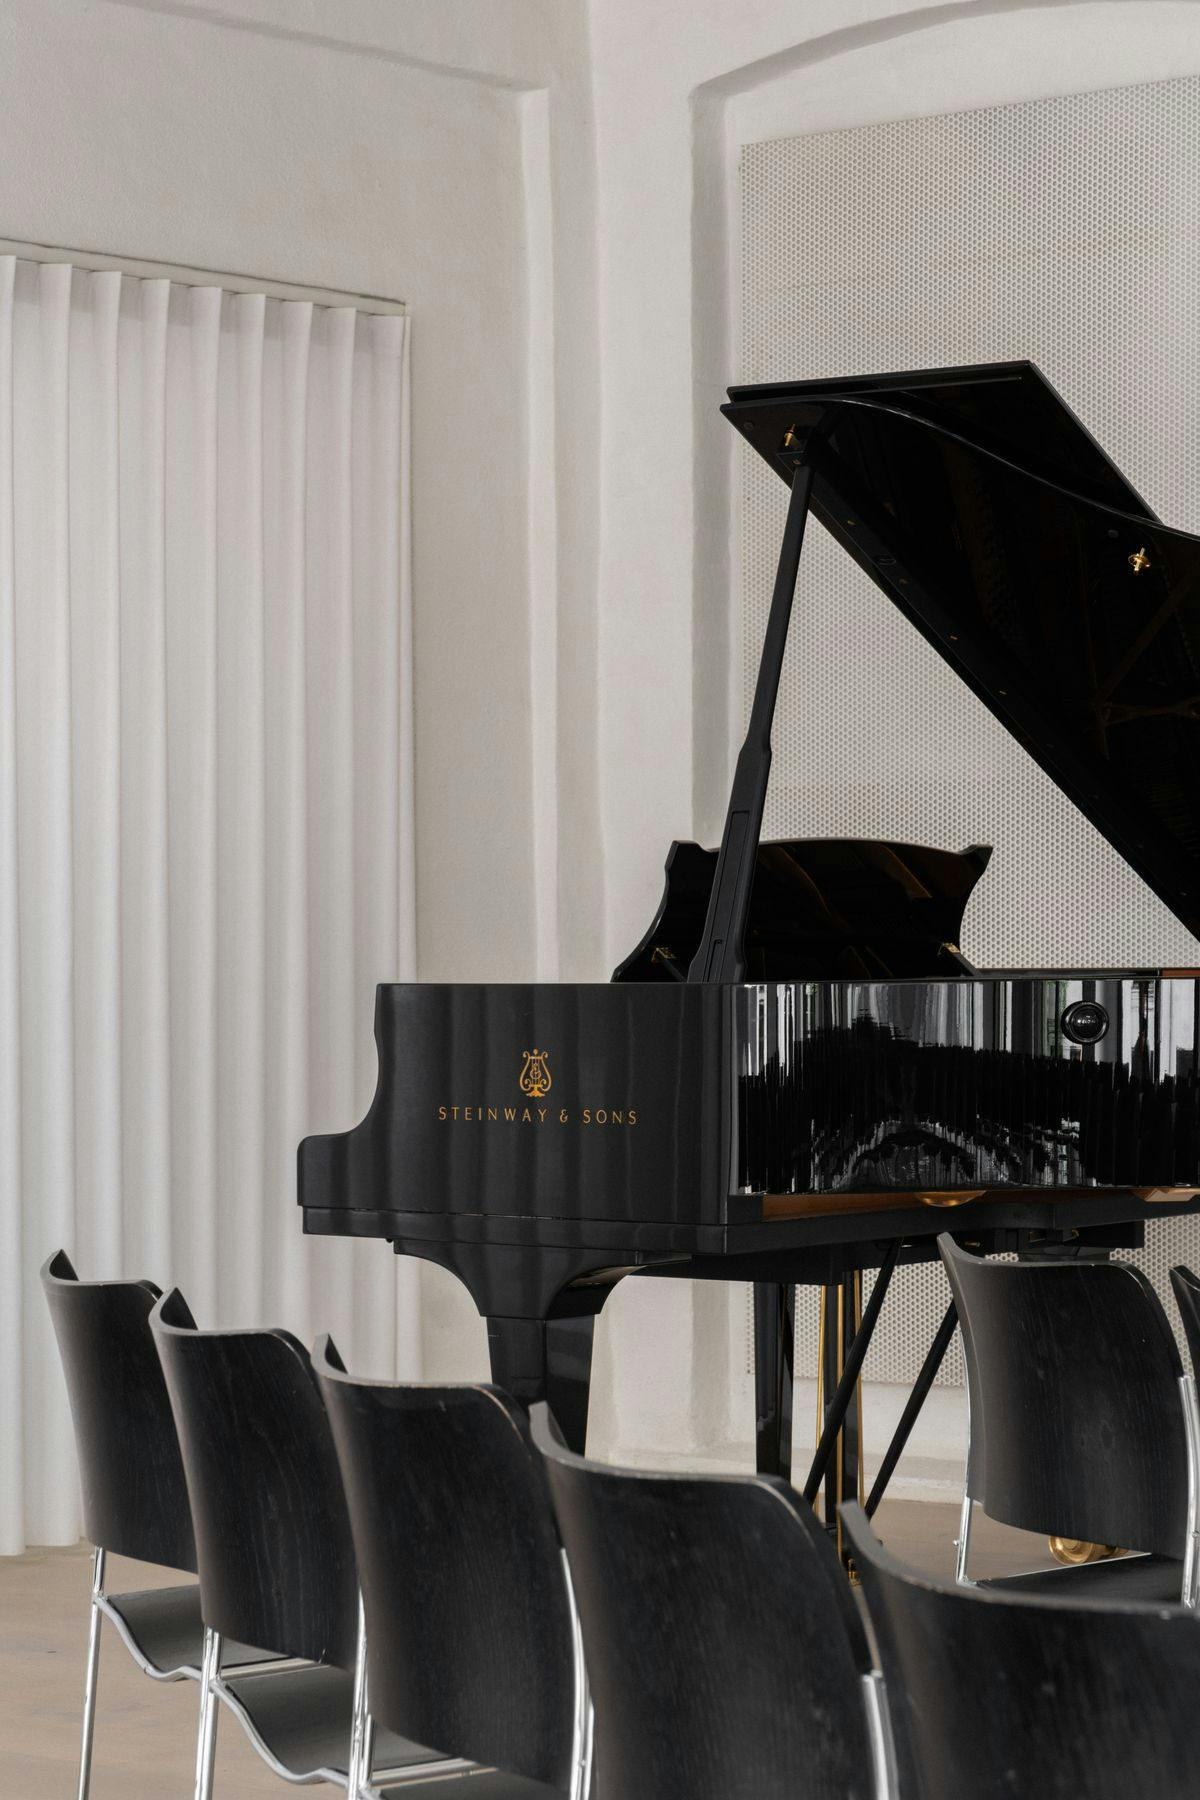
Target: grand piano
{"points": [[797, 1076]]}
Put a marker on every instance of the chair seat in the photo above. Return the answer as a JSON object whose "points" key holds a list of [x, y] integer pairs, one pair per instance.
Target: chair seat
{"points": [[487, 1785], [1119, 1578], [302, 1718], [164, 1632]]}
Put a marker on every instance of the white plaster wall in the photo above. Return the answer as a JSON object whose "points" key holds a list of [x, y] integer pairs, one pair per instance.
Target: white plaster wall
{"points": [[439, 151]]}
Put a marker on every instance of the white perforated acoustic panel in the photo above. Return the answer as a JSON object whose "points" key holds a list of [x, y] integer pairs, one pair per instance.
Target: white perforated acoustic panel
{"points": [[1063, 230]]}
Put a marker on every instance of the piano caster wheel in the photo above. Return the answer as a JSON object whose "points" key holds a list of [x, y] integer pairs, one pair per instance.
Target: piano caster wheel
{"points": [[1075, 1551]]}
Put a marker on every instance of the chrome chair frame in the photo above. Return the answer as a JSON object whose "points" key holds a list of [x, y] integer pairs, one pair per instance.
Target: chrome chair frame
{"points": [[97, 1609], [286, 1482], [584, 1724], [360, 1777], [582, 1734], [614, 1522], [216, 1691], [1190, 1583], [1086, 1696], [879, 1732], [469, 1636], [134, 1498], [1191, 1553]]}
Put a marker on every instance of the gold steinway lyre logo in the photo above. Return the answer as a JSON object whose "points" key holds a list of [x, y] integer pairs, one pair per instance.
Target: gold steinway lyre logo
{"points": [[535, 1076]]}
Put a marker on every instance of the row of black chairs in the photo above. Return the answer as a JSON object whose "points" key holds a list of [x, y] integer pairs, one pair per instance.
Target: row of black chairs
{"points": [[401, 1588], [344, 1532]]}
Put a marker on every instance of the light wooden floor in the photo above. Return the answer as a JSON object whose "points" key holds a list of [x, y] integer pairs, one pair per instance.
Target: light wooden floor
{"points": [[145, 1730]]}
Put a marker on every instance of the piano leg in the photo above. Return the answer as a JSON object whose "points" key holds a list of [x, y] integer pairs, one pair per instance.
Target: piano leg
{"points": [[547, 1359], [774, 1339], [841, 1317]]}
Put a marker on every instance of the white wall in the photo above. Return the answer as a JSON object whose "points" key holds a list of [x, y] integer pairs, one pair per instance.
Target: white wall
{"points": [[440, 153]]}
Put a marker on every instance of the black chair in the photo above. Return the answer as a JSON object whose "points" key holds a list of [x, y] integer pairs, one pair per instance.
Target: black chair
{"points": [[135, 1499], [1186, 1288], [726, 1655], [1079, 1421], [471, 1634], [274, 1552], [999, 1695]]}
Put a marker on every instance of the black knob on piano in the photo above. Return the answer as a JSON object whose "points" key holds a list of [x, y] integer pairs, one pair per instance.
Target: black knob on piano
{"points": [[1085, 1022]]}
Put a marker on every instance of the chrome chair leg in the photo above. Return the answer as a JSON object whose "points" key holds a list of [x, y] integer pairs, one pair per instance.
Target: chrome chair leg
{"points": [[367, 1756], [91, 1675], [1191, 1550], [206, 1742], [584, 1724], [362, 1729], [962, 1544], [879, 1730]]}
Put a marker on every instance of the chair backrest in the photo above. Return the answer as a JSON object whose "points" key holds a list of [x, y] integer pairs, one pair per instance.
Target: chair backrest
{"points": [[273, 1544], [135, 1500], [722, 1642], [994, 1697], [1186, 1288], [1077, 1425], [469, 1626]]}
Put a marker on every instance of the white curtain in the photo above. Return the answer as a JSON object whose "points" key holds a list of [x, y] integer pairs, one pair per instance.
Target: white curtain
{"points": [[205, 810]]}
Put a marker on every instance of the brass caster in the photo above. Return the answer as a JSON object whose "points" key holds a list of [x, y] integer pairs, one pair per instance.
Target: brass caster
{"points": [[1075, 1551]]}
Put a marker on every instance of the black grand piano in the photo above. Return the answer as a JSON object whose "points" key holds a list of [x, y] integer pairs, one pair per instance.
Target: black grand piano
{"points": [[797, 1076]]}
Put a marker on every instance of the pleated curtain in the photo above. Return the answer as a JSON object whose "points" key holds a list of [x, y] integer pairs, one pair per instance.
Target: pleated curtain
{"points": [[205, 810]]}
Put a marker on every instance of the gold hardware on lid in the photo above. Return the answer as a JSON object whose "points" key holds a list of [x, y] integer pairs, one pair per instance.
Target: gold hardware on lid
{"points": [[1139, 560], [790, 440]]}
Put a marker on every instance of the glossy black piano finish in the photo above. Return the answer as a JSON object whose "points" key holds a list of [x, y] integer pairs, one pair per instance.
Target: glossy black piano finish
{"points": [[821, 907], [954, 1085], [991, 519], [676, 1122], [797, 1072]]}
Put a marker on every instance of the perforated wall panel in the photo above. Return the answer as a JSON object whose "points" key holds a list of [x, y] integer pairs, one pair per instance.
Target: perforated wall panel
{"points": [[1063, 230]]}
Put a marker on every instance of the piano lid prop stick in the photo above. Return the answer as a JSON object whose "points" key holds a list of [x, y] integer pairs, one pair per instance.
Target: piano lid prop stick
{"points": [[722, 952]]}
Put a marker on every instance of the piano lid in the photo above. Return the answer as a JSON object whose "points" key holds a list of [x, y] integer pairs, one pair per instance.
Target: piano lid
{"points": [[987, 513], [822, 909]]}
